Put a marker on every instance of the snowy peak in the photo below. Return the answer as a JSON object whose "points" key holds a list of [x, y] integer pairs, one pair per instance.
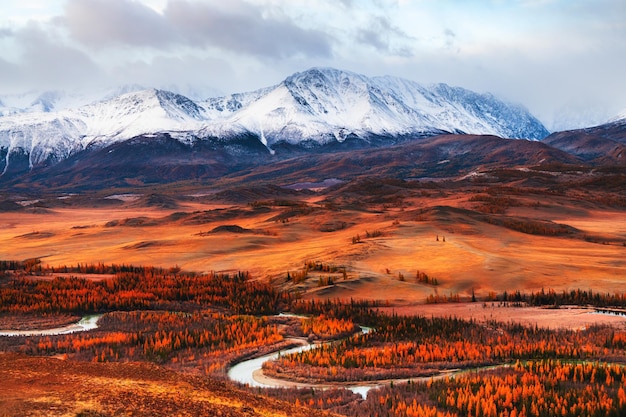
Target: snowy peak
{"points": [[45, 102], [137, 113], [324, 103], [324, 90], [506, 120], [348, 99], [309, 108], [164, 103], [52, 136]]}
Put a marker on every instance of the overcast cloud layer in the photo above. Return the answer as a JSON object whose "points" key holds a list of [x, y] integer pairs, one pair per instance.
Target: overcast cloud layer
{"points": [[563, 59]]}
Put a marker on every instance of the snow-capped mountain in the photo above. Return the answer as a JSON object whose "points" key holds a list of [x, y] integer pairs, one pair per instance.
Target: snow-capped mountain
{"points": [[324, 105], [48, 137], [315, 107], [53, 101]]}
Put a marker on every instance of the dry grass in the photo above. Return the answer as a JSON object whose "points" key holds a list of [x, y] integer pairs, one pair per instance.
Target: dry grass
{"points": [[566, 317], [475, 255], [34, 386]]}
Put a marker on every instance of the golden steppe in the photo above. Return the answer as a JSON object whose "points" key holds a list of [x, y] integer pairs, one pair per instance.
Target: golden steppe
{"points": [[437, 234]]}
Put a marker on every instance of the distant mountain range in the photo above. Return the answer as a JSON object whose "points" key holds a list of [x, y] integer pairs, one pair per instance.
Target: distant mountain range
{"points": [[139, 136], [317, 107]]}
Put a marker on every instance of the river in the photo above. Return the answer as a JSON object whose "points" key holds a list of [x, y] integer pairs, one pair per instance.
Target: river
{"points": [[250, 372], [85, 324]]}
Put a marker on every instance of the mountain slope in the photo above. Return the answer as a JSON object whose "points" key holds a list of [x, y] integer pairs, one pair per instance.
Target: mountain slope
{"points": [[307, 110], [38, 386], [603, 144], [167, 160], [444, 156]]}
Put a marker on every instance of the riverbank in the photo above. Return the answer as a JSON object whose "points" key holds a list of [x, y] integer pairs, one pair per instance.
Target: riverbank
{"points": [[36, 321], [84, 324]]}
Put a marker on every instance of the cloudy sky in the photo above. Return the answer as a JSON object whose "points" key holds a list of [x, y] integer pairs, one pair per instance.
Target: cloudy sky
{"points": [[557, 57]]}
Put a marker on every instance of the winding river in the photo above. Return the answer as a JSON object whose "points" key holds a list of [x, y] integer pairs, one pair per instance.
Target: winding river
{"points": [[86, 323], [250, 372], [247, 372]]}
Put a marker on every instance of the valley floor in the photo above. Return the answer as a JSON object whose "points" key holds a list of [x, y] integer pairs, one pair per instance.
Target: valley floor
{"points": [[453, 274], [532, 242]]}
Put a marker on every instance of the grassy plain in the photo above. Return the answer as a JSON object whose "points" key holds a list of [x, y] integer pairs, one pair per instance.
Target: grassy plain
{"points": [[445, 234]]}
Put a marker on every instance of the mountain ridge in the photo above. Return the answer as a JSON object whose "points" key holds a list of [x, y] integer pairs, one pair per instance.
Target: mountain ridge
{"points": [[317, 107], [343, 101], [168, 161], [605, 143]]}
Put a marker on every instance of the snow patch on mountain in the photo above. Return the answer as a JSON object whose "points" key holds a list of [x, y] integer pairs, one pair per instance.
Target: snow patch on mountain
{"points": [[621, 117]]}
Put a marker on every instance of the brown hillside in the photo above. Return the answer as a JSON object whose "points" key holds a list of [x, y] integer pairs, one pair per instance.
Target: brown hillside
{"points": [[38, 386]]}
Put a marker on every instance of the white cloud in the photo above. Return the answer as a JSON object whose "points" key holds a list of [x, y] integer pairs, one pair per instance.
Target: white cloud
{"points": [[241, 27], [234, 26], [538, 52], [103, 23]]}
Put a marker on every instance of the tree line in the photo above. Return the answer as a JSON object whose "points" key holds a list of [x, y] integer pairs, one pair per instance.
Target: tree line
{"points": [[205, 341], [143, 288]]}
